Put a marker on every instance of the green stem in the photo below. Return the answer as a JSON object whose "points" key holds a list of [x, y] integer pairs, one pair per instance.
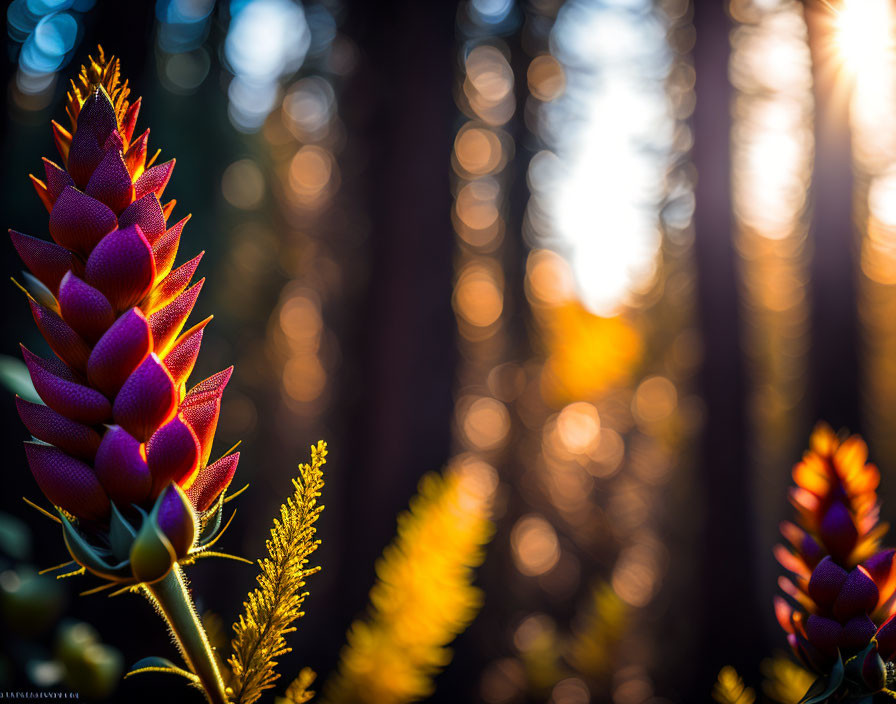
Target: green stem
{"points": [[174, 602]]}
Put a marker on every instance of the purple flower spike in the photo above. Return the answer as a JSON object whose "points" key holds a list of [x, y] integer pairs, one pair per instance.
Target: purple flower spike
{"points": [[113, 143], [46, 260], [119, 352], [838, 531], [857, 631], [45, 424], [129, 122], [212, 480], [176, 520], [824, 633], [826, 580], [147, 399], [111, 182], [64, 341], [96, 122], [78, 221], [172, 454], [859, 594], [167, 323], [154, 180], [97, 117], [84, 308], [79, 403], [173, 284], [113, 446], [165, 249], [67, 482], [147, 213], [832, 615], [881, 565], [57, 178], [122, 267], [121, 469], [201, 407], [135, 157], [180, 360]]}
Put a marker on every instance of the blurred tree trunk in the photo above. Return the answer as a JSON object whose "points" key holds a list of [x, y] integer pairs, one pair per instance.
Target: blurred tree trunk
{"points": [[399, 107], [723, 606], [832, 284]]}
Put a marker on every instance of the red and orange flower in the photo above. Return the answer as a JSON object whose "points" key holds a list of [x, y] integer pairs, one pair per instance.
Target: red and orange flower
{"points": [[119, 444], [840, 595]]}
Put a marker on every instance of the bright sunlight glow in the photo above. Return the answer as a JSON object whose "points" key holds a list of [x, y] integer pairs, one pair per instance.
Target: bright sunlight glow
{"points": [[863, 30]]}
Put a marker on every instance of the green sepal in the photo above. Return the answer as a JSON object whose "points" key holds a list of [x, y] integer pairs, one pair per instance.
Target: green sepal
{"points": [[152, 555], [157, 664], [90, 557], [15, 377], [210, 522], [39, 291], [121, 534], [824, 687]]}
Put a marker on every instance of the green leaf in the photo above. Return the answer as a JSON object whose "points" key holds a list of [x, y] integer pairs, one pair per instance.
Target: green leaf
{"points": [[824, 687], [121, 534], [91, 557], [157, 664], [15, 377]]}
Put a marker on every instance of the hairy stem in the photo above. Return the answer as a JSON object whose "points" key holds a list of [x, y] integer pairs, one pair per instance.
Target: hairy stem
{"points": [[174, 602]]}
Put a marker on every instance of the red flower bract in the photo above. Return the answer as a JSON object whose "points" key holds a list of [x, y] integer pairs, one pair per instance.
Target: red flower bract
{"points": [[118, 425]]}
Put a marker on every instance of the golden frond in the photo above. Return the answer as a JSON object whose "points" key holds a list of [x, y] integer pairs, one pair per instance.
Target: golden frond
{"points": [[730, 688], [590, 650], [540, 646], [98, 72], [423, 597], [784, 681], [276, 603], [298, 692]]}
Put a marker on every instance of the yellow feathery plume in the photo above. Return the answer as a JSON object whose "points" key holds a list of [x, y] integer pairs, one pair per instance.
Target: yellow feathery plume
{"points": [[298, 692], [423, 597], [730, 688], [785, 682], [98, 72], [540, 646], [591, 648], [277, 602]]}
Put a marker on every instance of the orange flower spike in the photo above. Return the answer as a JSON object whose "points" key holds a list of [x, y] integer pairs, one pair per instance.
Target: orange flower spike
{"points": [[838, 597], [835, 487]]}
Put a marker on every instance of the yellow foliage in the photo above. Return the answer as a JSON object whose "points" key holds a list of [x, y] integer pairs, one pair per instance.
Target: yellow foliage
{"points": [[277, 602], [785, 681], [540, 647], [730, 688], [587, 354], [423, 596], [591, 648], [298, 692]]}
